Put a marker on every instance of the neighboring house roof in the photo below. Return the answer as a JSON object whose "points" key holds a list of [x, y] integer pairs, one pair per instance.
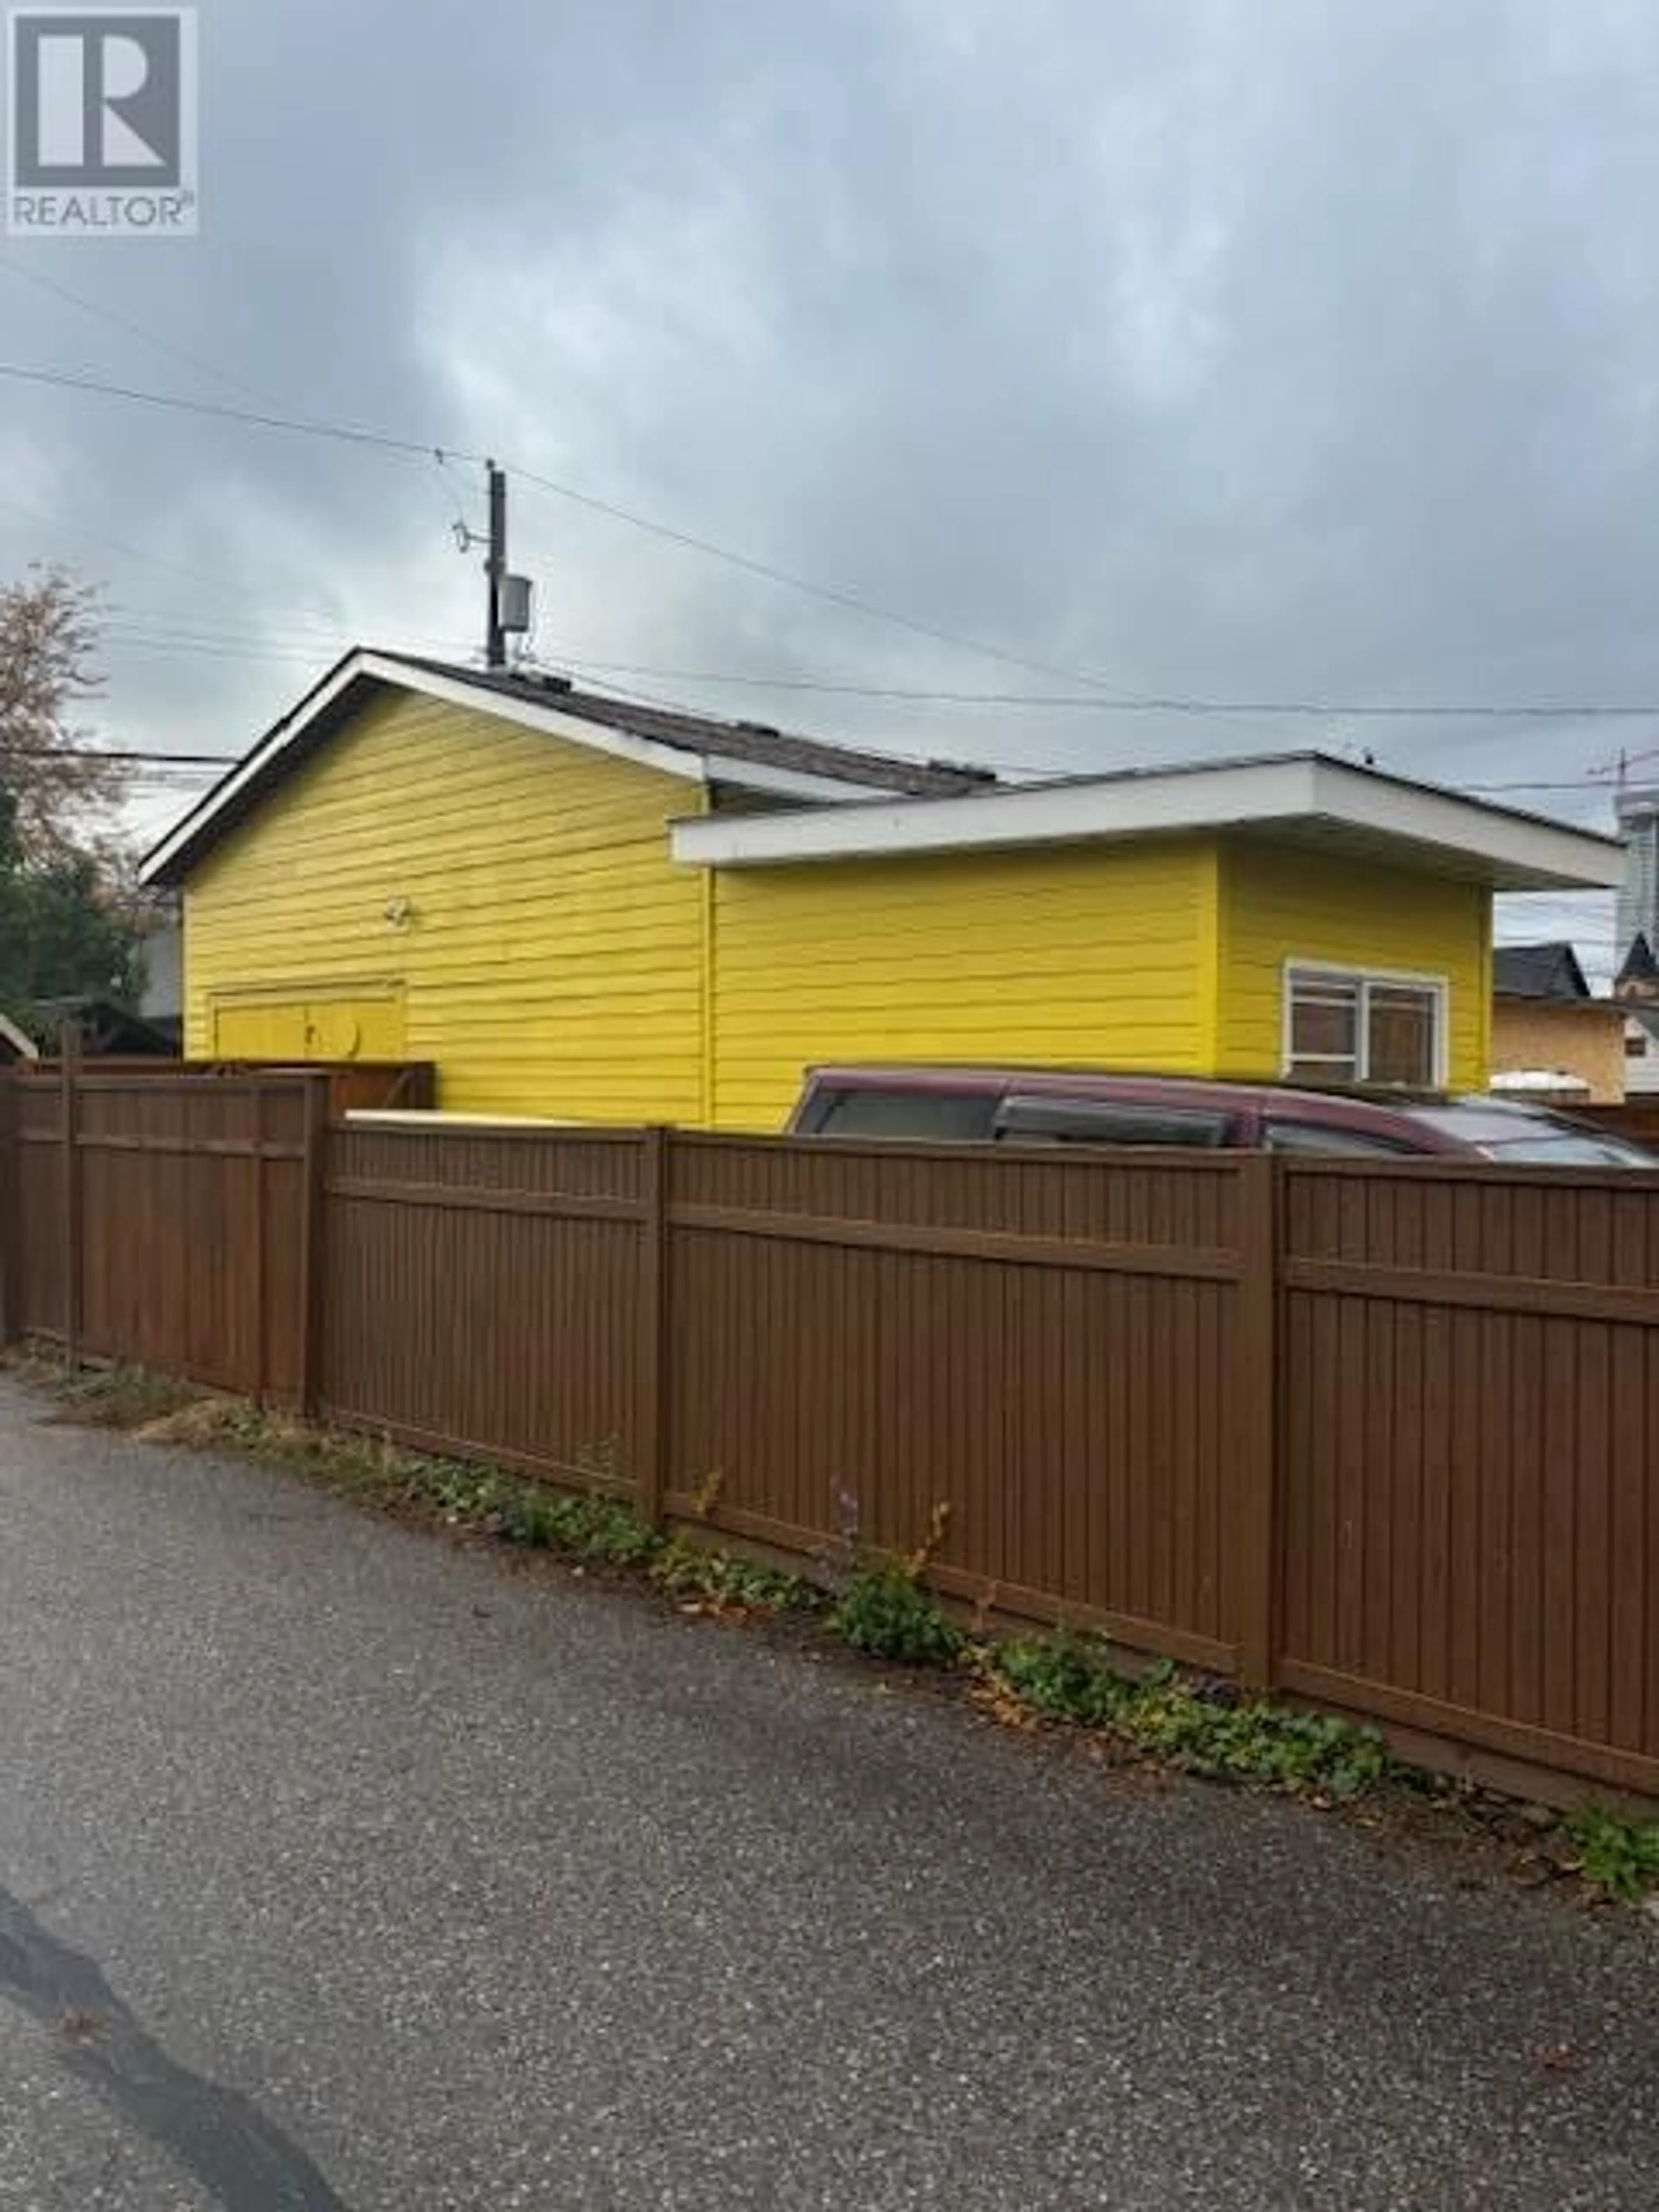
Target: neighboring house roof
{"points": [[1639, 975], [106, 1028], [1313, 799], [700, 748], [1537, 971], [1644, 1017]]}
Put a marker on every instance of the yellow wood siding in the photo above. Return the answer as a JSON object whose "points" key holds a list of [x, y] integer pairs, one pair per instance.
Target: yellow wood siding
{"points": [[354, 1022], [1085, 954], [546, 953], [442, 885], [1279, 904]]}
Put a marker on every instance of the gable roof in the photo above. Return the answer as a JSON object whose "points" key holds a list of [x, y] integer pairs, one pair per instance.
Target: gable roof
{"points": [[1537, 971], [1639, 975], [700, 748], [1312, 800]]}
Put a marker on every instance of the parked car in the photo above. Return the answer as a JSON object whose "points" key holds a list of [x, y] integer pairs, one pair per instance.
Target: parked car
{"points": [[1082, 1106]]}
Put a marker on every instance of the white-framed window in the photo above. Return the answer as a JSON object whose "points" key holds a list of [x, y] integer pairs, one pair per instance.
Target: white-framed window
{"points": [[1360, 1025]]}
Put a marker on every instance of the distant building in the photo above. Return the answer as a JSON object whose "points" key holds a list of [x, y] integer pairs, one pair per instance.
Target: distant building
{"points": [[1636, 810], [1636, 987], [161, 1001], [1550, 1037]]}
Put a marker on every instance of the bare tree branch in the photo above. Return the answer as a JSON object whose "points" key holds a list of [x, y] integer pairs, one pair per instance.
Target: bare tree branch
{"points": [[48, 762]]}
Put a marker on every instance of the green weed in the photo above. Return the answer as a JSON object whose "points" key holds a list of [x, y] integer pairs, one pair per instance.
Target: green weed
{"points": [[881, 1605], [886, 1610], [1064, 1676], [1619, 1857], [583, 1525], [694, 1572], [1204, 1728]]}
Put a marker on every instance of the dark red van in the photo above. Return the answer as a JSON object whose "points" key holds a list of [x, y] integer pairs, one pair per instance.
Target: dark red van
{"points": [[1090, 1107]]}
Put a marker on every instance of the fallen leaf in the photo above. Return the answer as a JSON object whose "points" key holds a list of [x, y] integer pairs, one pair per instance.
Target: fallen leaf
{"points": [[1561, 2058]]}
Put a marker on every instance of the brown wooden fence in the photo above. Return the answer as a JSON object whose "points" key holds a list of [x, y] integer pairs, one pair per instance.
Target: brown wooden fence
{"points": [[1636, 1116], [1384, 1436]]}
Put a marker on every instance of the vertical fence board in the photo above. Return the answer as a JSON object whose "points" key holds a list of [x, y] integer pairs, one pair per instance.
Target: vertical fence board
{"points": [[1477, 1351]]}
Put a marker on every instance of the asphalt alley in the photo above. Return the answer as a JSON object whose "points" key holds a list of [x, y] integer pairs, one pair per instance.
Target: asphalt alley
{"points": [[341, 1871]]}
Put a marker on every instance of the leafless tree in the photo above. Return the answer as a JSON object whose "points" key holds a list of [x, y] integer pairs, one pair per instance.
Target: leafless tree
{"points": [[48, 761]]}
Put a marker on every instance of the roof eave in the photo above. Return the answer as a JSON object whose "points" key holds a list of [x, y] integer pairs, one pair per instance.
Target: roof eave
{"points": [[1308, 798], [331, 700]]}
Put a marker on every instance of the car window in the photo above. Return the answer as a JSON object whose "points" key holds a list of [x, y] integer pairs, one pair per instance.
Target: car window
{"points": [[1038, 1121], [1329, 1139], [1522, 1134], [947, 1116], [1569, 1150]]}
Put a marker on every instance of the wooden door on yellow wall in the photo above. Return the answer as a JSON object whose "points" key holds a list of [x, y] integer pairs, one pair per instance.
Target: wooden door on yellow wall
{"points": [[343, 1024]]}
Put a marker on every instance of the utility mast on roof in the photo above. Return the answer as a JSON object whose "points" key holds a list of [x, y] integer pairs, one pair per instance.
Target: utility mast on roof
{"points": [[508, 613]]}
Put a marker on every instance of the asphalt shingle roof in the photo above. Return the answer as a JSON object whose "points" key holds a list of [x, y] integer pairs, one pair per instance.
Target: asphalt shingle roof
{"points": [[757, 744], [1538, 972]]}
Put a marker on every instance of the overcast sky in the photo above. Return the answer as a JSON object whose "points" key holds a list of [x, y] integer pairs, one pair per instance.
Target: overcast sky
{"points": [[1238, 349]]}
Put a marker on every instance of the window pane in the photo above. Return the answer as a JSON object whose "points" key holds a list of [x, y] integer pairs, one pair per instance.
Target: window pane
{"points": [[1088, 1121], [924, 1115], [1400, 1040], [1324, 1018]]}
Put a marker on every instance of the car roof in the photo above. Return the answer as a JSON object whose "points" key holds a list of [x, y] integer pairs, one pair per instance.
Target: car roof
{"points": [[1127, 1083]]}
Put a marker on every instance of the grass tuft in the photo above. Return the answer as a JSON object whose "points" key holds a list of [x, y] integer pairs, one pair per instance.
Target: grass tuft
{"points": [[120, 1397]]}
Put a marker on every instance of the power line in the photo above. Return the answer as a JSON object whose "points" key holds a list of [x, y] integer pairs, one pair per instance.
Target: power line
{"points": [[121, 322], [357, 434], [125, 755], [126, 550], [1328, 709], [160, 630], [1589, 781], [831, 594], [299, 426], [1101, 692]]}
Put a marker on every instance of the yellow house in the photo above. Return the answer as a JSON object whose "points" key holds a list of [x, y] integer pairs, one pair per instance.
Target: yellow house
{"points": [[583, 907]]}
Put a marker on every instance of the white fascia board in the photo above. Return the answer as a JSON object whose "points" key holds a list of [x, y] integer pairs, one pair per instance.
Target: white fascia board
{"points": [[528, 714], [1039, 814], [1300, 789], [276, 741], [1553, 854]]}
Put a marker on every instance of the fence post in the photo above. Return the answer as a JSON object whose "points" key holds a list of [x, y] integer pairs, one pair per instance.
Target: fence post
{"points": [[314, 1200], [653, 1279], [261, 1333], [10, 1179], [68, 1069], [1257, 1533]]}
